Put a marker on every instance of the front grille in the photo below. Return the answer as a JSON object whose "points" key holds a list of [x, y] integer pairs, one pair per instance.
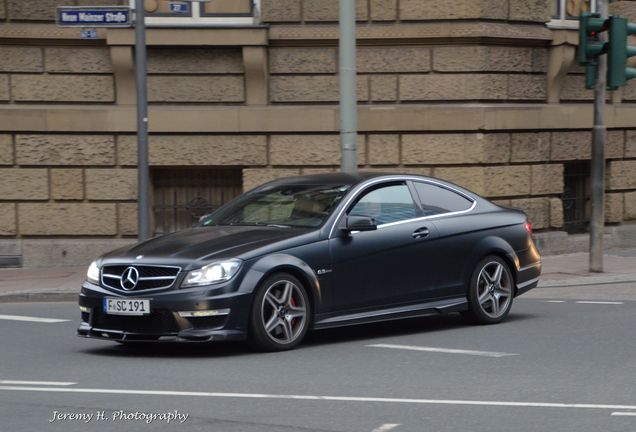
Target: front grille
{"points": [[150, 277], [158, 322]]}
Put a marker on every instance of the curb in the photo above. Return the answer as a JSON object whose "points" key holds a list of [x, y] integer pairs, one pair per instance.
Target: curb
{"points": [[589, 280], [39, 296]]}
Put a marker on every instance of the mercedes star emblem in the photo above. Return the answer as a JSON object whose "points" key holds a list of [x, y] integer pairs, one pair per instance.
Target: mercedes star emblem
{"points": [[129, 278]]}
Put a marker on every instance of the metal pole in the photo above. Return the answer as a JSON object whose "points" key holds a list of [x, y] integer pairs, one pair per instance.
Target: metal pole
{"points": [[599, 137], [143, 175], [348, 94]]}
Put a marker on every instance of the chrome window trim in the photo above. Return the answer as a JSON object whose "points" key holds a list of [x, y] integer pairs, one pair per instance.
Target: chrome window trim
{"points": [[361, 187]]}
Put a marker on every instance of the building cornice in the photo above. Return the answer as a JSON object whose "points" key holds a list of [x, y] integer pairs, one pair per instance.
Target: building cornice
{"points": [[421, 33], [309, 119]]}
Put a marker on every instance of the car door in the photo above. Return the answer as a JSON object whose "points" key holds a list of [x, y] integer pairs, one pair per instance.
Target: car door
{"points": [[457, 233], [388, 266]]}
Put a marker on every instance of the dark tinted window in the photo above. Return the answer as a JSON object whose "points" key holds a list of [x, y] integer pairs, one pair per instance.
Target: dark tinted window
{"points": [[288, 205], [436, 200], [386, 204]]}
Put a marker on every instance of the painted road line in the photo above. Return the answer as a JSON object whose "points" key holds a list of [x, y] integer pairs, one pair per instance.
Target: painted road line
{"points": [[386, 427], [600, 302], [51, 383], [31, 319], [443, 350], [633, 414], [554, 301], [393, 400]]}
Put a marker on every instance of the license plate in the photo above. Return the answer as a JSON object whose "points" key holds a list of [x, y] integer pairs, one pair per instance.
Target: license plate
{"points": [[115, 306]]}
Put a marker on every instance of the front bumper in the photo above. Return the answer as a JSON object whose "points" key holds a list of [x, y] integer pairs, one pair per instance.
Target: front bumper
{"points": [[164, 323]]}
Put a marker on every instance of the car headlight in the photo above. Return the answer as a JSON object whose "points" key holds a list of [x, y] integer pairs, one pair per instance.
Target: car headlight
{"points": [[92, 275], [215, 272]]}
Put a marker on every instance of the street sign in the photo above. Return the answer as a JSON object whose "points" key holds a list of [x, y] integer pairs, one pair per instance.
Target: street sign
{"points": [[95, 16], [88, 34], [179, 7]]}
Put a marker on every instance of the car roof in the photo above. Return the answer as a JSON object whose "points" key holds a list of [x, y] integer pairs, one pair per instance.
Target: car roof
{"points": [[330, 178], [339, 178]]}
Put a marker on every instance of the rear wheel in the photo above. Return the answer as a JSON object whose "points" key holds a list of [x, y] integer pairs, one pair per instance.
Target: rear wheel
{"points": [[491, 291], [280, 314]]}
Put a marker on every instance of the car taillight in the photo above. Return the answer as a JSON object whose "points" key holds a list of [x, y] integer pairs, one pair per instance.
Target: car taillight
{"points": [[528, 226]]}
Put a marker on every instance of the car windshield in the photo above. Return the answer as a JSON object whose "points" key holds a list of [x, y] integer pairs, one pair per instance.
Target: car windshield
{"points": [[282, 205]]}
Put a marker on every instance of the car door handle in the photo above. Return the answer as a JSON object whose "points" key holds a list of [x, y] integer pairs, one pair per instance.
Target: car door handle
{"points": [[421, 233]]}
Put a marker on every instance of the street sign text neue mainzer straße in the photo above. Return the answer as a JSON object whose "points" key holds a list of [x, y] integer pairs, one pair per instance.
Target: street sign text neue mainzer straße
{"points": [[95, 16]]}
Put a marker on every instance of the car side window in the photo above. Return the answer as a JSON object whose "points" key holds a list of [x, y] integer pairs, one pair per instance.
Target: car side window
{"points": [[437, 200], [386, 204]]}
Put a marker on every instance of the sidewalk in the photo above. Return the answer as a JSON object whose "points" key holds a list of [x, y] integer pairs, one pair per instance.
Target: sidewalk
{"points": [[569, 270]]}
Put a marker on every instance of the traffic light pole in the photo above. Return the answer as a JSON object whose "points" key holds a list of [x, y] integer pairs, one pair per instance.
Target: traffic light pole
{"points": [[348, 96], [143, 172], [599, 138]]}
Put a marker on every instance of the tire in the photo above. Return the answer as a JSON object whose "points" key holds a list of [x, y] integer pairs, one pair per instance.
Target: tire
{"points": [[281, 314], [491, 291]]}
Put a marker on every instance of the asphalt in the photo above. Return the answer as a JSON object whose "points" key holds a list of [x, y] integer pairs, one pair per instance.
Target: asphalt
{"points": [[563, 365], [559, 271]]}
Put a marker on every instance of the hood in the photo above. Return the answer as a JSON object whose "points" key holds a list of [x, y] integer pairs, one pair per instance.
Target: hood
{"points": [[205, 244]]}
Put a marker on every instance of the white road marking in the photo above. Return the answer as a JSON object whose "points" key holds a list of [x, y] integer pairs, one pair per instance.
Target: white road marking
{"points": [[555, 301], [600, 302], [443, 350], [624, 414], [386, 427], [321, 398], [52, 383], [31, 319]]}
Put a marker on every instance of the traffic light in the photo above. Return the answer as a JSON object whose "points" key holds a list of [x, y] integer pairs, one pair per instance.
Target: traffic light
{"points": [[590, 44], [618, 52]]}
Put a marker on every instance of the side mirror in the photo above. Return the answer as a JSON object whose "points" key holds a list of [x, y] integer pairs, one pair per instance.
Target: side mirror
{"points": [[361, 223]]}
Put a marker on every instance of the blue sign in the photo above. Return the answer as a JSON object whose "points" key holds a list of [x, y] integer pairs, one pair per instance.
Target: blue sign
{"points": [[179, 7], [106, 16], [88, 34]]}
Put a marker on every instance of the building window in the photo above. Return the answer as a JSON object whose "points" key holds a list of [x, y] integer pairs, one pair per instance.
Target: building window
{"points": [[180, 13], [182, 195], [565, 13], [576, 197]]}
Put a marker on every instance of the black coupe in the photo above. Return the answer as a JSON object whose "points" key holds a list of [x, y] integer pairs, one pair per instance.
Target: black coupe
{"points": [[315, 252]]}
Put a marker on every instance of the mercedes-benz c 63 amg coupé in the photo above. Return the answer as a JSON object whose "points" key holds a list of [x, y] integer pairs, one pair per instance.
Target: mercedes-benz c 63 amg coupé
{"points": [[315, 252]]}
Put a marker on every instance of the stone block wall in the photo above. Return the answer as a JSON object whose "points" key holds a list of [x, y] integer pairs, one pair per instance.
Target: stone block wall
{"points": [[55, 74], [195, 75], [404, 73], [324, 11], [63, 185], [44, 10]]}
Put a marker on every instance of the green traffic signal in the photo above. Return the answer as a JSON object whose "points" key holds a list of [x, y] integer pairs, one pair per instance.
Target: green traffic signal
{"points": [[590, 44], [618, 52]]}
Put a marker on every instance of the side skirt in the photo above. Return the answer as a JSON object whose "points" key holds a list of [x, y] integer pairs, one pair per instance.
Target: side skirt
{"points": [[394, 313]]}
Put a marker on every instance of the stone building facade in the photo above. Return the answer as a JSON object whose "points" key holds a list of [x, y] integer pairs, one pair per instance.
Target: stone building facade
{"points": [[484, 93]]}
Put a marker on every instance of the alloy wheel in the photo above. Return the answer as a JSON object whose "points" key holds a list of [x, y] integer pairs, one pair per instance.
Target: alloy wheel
{"points": [[284, 312], [494, 289]]}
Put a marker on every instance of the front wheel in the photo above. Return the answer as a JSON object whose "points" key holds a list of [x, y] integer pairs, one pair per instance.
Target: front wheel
{"points": [[280, 313], [491, 291]]}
